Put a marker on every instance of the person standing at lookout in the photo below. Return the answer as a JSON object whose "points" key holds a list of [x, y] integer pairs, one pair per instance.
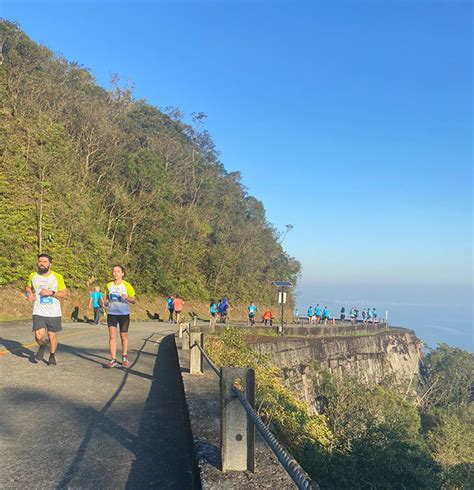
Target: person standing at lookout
{"points": [[119, 295], [318, 313], [325, 315], [44, 289], [343, 315], [310, 314]]}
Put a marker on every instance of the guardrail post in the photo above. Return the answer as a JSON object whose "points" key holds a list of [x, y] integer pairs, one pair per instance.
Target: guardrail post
{"points": [[195, 356], [185, 338], [237, 429], [195, 320]]}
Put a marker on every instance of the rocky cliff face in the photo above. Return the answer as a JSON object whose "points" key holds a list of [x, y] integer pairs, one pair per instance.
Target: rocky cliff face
{"points": [[394, 353]]}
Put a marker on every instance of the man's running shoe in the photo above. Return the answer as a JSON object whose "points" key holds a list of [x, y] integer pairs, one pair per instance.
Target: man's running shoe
{"points": [[112, 363], [125, 362], [40, 354], [52, 359]]}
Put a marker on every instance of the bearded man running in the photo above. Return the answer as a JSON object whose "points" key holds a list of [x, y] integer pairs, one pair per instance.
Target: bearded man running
{"points": [[44, 289]]}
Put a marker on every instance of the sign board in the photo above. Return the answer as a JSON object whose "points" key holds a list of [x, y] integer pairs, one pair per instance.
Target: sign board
{"points": [[283, 284], [281, 298]]}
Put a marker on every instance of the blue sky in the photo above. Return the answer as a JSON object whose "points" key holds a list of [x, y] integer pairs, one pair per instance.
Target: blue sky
{"points": [[350, 120]]}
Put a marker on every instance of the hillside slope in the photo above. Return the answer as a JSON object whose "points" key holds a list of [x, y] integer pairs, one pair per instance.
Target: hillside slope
{"points": [[95, 177]]}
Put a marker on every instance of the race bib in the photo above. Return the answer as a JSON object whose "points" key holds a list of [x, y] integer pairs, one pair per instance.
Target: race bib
{"points": [[46, 300], [115, 297]]}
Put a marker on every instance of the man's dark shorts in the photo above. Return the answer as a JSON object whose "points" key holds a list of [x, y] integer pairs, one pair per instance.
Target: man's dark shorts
{"points": [[122, 321], [50, 323]]}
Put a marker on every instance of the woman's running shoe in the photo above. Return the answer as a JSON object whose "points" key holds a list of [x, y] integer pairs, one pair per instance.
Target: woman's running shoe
{"points": [[125, 362], [112, 363]]}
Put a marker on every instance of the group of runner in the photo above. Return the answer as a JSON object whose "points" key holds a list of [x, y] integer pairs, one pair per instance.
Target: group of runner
{"points": [[368, 315], [267, 317], [317, 315], [321, 315], [45, 288], [218, 310], [175, 307]]}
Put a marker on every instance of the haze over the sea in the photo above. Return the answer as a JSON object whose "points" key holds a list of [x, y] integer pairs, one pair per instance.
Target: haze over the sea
{"points": [[436, 313]]}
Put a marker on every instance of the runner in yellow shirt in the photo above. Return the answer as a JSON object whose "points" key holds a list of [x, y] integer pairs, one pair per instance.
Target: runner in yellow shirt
{"points": [[119, 295]]}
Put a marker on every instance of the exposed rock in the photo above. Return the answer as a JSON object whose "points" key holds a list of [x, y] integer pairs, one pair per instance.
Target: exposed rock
{"points": [[393, 353]]}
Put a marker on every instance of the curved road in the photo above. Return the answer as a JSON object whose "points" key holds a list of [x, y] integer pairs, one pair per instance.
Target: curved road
{"points": [[80, 425]]}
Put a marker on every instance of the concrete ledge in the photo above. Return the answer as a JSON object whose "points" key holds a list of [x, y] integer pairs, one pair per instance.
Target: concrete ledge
{"points": [[202, 397], [297, 330]]}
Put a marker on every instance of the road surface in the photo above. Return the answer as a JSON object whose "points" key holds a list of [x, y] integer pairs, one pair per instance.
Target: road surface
{"points": [[80, 425]]}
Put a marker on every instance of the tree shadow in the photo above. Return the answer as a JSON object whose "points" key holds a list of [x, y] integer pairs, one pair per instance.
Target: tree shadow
{"points": [[152, 316], [89, 356]]}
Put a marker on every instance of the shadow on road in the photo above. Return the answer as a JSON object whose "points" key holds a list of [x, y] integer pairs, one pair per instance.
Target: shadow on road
{"points": [[162, 449], [165, 452], [96, 422]]}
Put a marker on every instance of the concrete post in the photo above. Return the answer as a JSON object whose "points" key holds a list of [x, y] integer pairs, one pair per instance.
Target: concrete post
{"points": [[195, 321], [180, 333], [237, 429], [196, 358], [185, 338]]}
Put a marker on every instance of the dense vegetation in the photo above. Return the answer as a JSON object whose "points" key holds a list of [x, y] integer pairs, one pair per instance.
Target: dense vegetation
{"points": [[376, 436], [95, 177]]}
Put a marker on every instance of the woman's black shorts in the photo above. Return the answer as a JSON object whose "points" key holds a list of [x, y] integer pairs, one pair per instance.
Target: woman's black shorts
{"points": [[122, 321]]}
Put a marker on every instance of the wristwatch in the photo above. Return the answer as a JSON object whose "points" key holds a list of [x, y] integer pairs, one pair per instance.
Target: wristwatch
{"points": [[53, 293]]}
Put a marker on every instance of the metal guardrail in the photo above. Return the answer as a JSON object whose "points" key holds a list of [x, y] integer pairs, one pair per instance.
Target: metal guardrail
{"points": [[298, 475], [213, 366], [292, 467]]}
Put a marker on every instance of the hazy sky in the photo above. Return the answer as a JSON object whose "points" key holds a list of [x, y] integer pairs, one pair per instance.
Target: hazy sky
{"points": [[350, 120]]}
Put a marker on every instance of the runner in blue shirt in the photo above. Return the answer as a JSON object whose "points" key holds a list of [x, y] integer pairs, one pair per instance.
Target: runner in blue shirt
{"points": [[310, 314], [170, 305], [318, 313], [326, 315], [374, 314], [213, 312], [224, 304], [97, 301], [252, 311]]}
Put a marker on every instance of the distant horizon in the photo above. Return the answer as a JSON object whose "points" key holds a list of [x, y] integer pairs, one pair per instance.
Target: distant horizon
{"points": [[436, 313]]}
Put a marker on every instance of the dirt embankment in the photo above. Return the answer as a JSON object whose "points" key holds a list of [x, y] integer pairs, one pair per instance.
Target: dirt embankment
{"points": [[14, 306]]}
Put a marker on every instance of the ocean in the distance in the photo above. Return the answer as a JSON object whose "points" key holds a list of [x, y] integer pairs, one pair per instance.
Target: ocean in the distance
{"points": [[437, 313]]}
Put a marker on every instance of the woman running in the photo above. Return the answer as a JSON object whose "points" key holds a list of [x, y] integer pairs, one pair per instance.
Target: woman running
{"points": [[119, 295]]}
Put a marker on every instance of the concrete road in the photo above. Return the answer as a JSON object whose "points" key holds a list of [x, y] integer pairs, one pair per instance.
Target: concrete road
{"points": [[80, 425]]}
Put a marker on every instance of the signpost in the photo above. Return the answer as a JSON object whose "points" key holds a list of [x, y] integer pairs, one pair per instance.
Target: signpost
{"points": [[282, 299]]}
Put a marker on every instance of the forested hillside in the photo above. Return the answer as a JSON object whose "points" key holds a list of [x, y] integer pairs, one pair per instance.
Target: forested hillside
{"points": [[96, 177]]}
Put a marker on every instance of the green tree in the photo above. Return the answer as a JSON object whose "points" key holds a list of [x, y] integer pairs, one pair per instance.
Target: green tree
{"points": [[447, 378]]}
